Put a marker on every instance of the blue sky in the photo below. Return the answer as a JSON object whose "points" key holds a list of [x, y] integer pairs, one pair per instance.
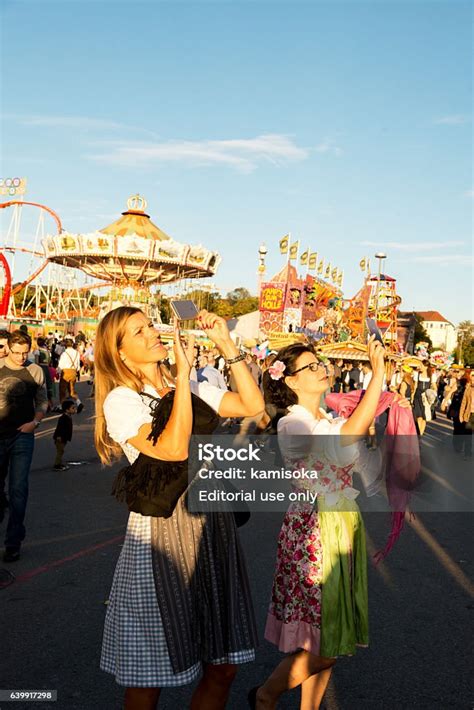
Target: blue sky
{"points": [[347, 124]]}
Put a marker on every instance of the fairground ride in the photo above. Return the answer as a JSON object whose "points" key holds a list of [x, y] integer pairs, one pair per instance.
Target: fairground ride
{"points": [[87, 274], [43, 291]]}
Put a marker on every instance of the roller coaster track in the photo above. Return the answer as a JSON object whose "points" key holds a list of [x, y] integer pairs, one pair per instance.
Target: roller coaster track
{"points": [[35, 204], [45, 263]]}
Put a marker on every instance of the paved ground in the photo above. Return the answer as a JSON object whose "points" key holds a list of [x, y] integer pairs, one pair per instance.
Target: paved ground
{"points": [[421, 599]]}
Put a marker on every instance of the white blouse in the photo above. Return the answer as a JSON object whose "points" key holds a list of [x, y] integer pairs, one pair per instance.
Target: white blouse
{"points": [[126, 411], [293, 436]]}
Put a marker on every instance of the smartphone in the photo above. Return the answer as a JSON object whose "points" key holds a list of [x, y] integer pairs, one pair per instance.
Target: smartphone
{"points": [[184, 310], [373, 329]]}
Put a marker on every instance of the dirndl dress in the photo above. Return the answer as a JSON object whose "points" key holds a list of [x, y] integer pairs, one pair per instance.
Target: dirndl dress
{"points": [[142, 646], [319, 599]]}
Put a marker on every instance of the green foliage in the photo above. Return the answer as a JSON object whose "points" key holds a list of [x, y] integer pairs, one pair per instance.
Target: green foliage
{"points": [[466, 343], [237, 303], [421, 335], [238, 294], [18, 297]]}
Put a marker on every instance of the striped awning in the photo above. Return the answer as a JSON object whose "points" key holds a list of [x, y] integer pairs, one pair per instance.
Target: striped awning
{"points": [[344, 354]]}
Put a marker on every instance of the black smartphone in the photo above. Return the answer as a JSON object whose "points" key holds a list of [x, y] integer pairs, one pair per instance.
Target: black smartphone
{"points": [[373, 329], [184, 310]]}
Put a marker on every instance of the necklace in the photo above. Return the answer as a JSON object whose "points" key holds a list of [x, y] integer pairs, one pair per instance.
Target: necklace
{"points": [[162, 390]]}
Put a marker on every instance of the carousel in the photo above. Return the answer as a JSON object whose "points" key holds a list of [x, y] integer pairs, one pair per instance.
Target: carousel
{"points": [[131, 253], [73, 279]]}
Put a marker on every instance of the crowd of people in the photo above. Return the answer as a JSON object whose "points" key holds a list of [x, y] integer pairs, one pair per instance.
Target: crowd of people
{"points": [[180, 606]]}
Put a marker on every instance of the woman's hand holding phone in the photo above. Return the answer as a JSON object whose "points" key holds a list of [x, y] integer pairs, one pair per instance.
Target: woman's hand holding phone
{"points": [[183, 355], [215, 328], [376, 356]]}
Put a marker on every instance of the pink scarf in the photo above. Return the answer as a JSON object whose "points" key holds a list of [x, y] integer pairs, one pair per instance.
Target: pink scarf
{"points": [[402, 460]]}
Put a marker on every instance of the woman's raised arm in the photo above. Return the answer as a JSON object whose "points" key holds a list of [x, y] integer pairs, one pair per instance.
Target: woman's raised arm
{"points": [[248, 400], [363, 415]]}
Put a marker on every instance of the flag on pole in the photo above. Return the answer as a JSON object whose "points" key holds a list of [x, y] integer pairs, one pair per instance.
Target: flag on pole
{"points": [[294, 250], [363, 263], [284, 244], [334, 274], [327, 273], [304, 257], [320, 267], [313, 258]]}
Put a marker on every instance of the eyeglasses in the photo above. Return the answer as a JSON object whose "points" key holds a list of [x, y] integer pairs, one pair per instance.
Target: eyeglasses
{"points": [[15, 352], [313, 366]]}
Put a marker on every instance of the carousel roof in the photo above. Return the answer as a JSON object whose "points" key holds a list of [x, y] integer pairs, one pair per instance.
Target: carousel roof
{"points": [[131, 250], [135, 221]]}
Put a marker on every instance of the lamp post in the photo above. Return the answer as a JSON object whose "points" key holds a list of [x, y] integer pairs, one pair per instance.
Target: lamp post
{"points": [[380, 256], [262, 252]]}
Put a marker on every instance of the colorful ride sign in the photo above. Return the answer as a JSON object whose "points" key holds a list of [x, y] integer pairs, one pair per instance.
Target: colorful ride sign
{"points": [[272, 296]]}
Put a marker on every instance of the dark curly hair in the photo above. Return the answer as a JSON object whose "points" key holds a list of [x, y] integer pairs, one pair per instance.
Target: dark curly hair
{"points": [[277, 390]]}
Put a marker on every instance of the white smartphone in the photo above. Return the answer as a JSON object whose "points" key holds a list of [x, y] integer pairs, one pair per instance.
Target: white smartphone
{"points": [[184, 310]]}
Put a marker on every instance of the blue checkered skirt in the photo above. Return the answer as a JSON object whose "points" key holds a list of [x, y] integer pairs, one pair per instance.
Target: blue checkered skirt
{"points": [[134, 647]]}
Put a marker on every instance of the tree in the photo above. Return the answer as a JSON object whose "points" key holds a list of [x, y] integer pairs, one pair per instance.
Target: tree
{"points": [[238, 294], [421, 336], [466, 342], [245, 305], [237, 303]]}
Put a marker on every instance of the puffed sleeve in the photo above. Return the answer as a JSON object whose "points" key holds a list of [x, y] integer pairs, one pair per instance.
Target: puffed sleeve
{"points": [[334, 449], [210, 394], [301, 437], [125, 412]]}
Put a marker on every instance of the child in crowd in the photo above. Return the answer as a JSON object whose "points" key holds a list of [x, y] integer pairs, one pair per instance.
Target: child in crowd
{"points": [[63, 432]]}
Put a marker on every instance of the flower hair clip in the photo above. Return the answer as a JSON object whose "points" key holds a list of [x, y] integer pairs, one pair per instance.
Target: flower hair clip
{"points": [[277, 369]]}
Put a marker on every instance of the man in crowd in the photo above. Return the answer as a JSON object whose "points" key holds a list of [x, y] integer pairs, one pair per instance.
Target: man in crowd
{"points": [[23, 404], [253, 367], [210, 373], [352, 377], [367, 374], [3, 343], [69, 364], [337, 376]]}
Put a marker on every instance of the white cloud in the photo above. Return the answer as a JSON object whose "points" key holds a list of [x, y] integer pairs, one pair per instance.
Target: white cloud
{"points": [[413, 246], [243, 154], [465, 259], [469, 193], [328, 146], [80, 123], [454, 120]]}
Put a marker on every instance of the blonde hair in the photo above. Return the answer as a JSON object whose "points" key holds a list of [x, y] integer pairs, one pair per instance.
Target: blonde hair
{"points": [[111, 372]]}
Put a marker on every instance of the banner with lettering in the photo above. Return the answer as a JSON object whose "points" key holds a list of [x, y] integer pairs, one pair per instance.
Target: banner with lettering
{"points": [[272, 296]]}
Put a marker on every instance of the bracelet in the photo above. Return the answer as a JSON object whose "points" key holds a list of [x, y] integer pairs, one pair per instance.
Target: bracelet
{"points": [[233, 360]]}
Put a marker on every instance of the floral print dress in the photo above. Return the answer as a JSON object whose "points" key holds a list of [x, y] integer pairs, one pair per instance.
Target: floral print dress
{"points": [[319, 596]]}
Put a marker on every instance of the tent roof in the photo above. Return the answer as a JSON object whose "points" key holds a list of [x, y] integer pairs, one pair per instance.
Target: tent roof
{"points": [[348, 350], [288, 274]]}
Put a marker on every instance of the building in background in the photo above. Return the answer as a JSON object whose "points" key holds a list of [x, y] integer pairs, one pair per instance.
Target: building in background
{"points": [[442, 332]]}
